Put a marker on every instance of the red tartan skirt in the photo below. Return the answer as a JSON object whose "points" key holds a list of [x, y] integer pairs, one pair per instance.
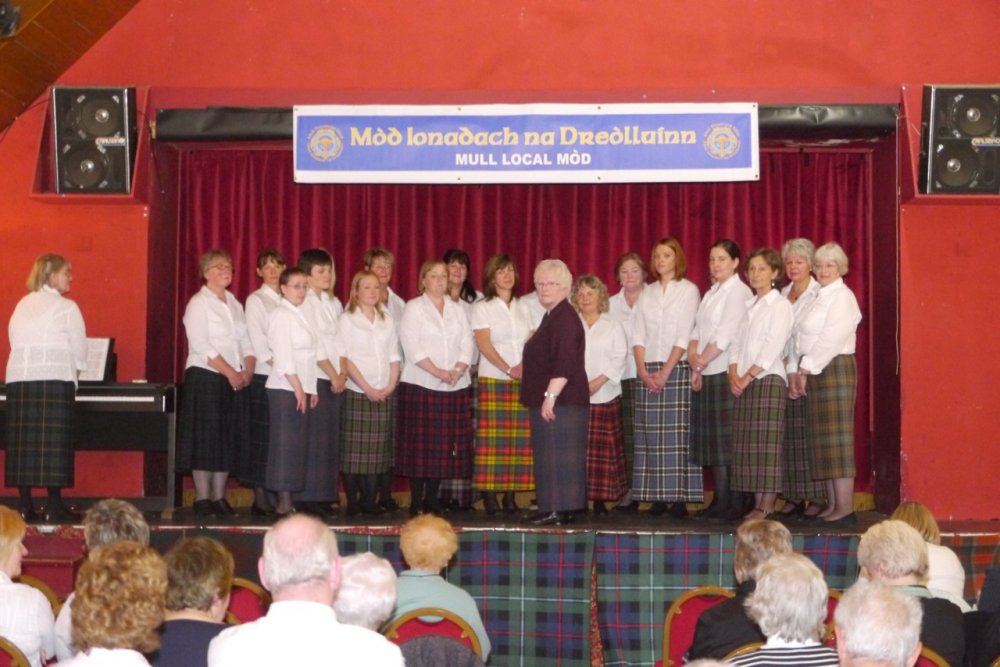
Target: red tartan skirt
{"points": [[606, 475], [433, 432]]}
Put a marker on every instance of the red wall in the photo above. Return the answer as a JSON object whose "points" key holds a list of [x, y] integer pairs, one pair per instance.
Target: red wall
{"points": [[769, 51]]}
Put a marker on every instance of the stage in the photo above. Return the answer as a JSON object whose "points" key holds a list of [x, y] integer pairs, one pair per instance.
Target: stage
{"points": [[594, 592]]}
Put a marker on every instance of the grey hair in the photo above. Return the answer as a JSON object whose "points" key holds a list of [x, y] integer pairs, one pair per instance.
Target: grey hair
{"points": [[113, 520], [558, 268], [790, 600], [804, 248], [291, 558], [897, 547], [832, 252], [367, 593], [876, 622]]}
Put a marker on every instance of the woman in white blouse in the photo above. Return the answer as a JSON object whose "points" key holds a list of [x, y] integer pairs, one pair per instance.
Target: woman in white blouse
{"points": [[214, 415], [666, 314], [253, 462], [320, 490], [501, 323], [371, 354], [25, 615], [720, 314], [291, 390], [434, 428], [825, 339], [48, 349], [630, 270], [605, 353], [802, 494], [757, 380]]}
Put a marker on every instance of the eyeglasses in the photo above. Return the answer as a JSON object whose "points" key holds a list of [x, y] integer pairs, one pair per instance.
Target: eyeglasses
{"points": [[546, 285], [222, 267]]}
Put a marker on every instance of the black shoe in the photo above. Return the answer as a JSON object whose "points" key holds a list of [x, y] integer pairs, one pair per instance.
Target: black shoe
{"points": [[223, 508], [204, 508], [658, 509], [510, 504], [389, 505], [631, 508], [553, 519], [847, 521], [600, 508], [30, 514], [262, 511], [435, 507], [62, 514], [533, 516], [490, 503], [677, 510]]}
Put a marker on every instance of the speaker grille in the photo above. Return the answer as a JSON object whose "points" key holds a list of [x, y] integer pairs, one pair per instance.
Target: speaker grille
{"points": [[960, 149], [95, 137]]}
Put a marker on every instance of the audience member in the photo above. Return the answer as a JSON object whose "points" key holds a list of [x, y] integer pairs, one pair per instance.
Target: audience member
{"points": [[428, 544], [25, 615], [118, 607], [367, 591], [877, 626], [199, 579], [894, 553], [945, 574], [790, 606], [982, 638], [727, 626], [301, 568], [106, 522]]}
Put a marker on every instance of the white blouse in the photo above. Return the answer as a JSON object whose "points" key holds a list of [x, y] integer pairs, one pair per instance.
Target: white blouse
{"points": [[444, 339], [605, 354], [509, 327], [323, 313], [216, 329], [295, 348], [535, 309], [370, 346], [719, 317], [665, 318], [619, 310], [801, 305], [48, 340], [258, 307], [828, 327], [762, 336], [26, 620]]}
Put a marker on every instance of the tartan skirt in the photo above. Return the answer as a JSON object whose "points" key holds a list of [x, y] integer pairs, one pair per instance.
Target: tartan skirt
{"points": [[830, 398], [251, 462], [214, 422], [663, 471], [366, 434], [630, 389], [40, 415], [712, 422], [289, 433], [797, 482], [758, 435], [606, 478], [433, 432], [503, 460], [560, 449], [323, 447]]}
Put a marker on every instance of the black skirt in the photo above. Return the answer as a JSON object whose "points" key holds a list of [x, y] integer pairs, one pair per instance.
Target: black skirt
{"points": [[40, 416], [214, 422]]}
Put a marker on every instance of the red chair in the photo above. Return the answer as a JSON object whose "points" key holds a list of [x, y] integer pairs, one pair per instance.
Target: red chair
{"points": [[930, 658], [247, 602], [831, 606], [679, 624], [11, 656], [449, 624]]}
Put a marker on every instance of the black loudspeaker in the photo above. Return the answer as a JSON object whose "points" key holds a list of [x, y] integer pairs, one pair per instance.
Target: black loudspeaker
{"points": [[960, 151], [95, 138]]}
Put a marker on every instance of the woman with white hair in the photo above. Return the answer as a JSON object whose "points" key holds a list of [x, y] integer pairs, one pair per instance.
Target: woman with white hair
{"points": [[827, 376], [790, 606], [367, 592], [556, 392], [894, 553], [877, 627]]}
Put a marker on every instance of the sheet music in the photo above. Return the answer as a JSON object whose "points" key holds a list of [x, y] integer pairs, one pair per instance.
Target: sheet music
{"points": [[97, 359]]}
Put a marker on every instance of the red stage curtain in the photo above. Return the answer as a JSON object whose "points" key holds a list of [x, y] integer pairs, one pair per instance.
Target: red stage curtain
{"points": [[243, 198]]}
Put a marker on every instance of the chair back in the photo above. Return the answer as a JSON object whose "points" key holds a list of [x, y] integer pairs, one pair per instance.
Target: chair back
{"points": [[11, 656], [930, 658], [833, 597], [449, 624], [682, 616], [45, 589], [437, 650], [742, 650], [247, 602]]}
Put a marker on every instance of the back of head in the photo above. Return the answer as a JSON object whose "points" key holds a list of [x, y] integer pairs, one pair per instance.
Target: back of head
{"points": [[917, 515], [119, 599], [790, 600], [892, 550], [112, 520], [877, 624], [298, 550], [428, 542], [12, 530], [199, 573], [367, 592], [756, 541]]}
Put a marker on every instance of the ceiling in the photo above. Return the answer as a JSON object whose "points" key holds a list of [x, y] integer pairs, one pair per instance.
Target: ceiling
{"points": [[51, 36]]}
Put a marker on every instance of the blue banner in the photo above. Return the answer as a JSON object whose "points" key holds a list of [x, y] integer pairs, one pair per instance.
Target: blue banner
{"points": [[534, 143]]}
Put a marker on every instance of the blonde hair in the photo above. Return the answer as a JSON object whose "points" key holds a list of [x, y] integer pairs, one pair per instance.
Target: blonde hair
{"points": [[428, 542], [12, 530], [756, 541], [426, 268], [45, 267], [917, 515], [594, 283], [354, 303]]}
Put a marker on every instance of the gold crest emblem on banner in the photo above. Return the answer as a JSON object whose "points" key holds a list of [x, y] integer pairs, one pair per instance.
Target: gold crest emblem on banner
{"points": [[326, 143], [722, 141]]}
